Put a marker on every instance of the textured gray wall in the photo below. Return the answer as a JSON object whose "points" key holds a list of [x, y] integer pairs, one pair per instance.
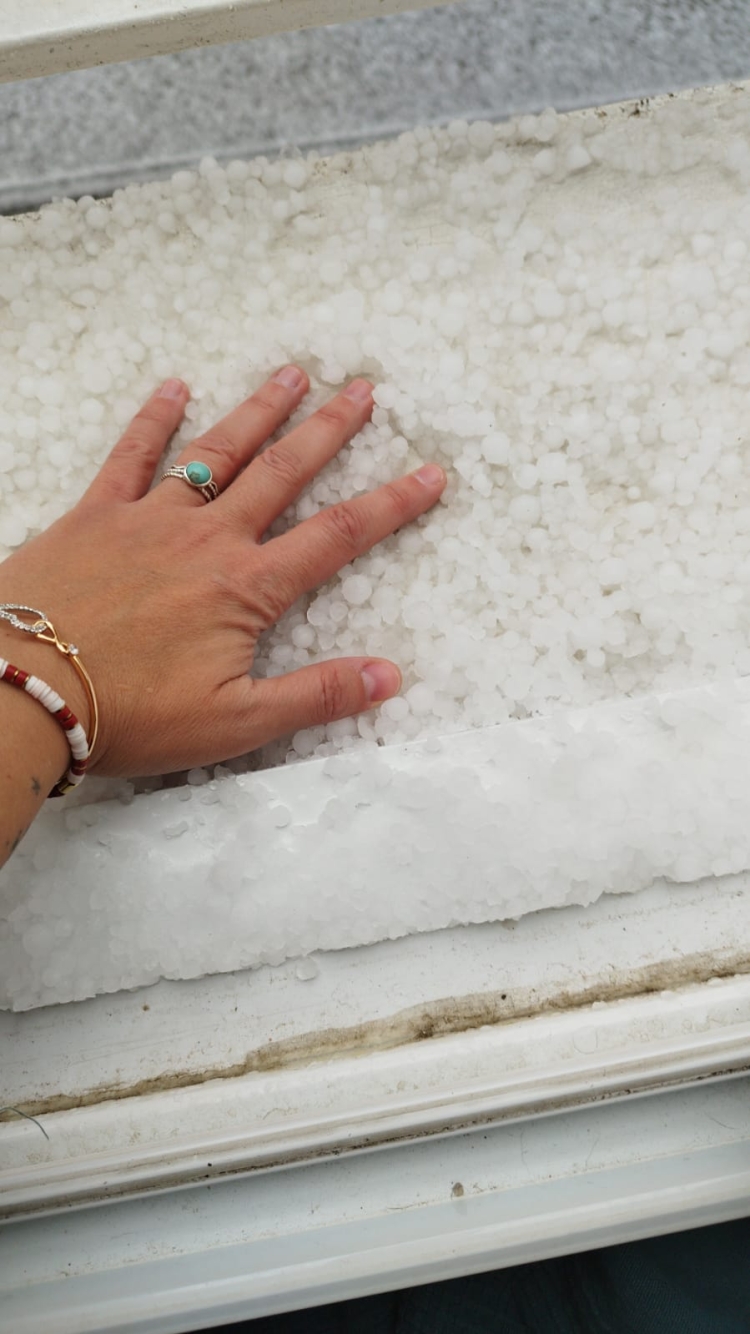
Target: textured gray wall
{"points": [[94, 129]]}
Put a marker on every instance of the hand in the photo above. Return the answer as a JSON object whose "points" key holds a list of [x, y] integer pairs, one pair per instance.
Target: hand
{"points": [[166, 595]]}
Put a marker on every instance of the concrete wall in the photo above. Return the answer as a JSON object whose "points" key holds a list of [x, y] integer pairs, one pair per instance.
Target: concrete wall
{"points": [[92, 130]]}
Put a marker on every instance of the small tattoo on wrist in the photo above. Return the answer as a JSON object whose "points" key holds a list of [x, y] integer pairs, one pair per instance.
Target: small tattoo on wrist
{"points": [[17, 839], [36, 786]]}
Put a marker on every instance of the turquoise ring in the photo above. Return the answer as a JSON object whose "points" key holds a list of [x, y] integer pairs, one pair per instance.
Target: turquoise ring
{"points": [[196, 474]]}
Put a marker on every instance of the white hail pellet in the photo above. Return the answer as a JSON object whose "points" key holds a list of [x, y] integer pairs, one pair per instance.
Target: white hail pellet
{"points": [[357, 589]]}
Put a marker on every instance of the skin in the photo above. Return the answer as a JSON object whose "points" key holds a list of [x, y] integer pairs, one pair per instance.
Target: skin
{"points": [[166, 596]]}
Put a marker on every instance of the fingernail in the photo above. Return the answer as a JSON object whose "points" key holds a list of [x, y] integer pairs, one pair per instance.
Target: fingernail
{"points": [[359, 391], [431, 475], [382, 679], [290, 376], [172, 389]]}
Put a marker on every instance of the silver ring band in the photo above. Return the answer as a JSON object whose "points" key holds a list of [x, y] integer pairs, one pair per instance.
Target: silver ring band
{"points": [[197, 475]]}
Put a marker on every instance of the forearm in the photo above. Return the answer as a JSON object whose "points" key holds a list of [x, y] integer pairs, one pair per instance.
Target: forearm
{"points": [[33, 748]]}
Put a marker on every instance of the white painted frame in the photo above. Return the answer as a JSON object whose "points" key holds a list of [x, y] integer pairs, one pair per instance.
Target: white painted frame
{"points": [[371, 1222], [411, 1039], [52, 36]]}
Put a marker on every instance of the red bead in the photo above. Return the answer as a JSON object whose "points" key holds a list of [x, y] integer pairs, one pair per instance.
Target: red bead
{"points": [[14, 676]]}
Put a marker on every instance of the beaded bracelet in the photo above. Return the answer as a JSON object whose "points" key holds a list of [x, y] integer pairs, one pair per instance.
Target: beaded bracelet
{"points": [[56, 706], [35, 622]]}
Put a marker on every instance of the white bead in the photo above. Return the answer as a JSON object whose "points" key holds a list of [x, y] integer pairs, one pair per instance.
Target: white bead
{"points": [[78, 743]]}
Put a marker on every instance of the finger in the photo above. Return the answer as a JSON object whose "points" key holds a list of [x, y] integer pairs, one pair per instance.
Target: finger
{"points": [[315, 550], [278, 475], [261, 711], [128, 472], [233, 441]]}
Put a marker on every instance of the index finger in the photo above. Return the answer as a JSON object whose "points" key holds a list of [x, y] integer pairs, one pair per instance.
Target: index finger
{"points": [[315, 550]]}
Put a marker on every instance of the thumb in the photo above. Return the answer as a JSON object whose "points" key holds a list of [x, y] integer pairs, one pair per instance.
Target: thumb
{"points": [[264, 710]]}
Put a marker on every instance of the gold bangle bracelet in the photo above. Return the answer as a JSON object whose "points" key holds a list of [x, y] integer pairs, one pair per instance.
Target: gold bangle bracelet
{"points": [[50, 636]]}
